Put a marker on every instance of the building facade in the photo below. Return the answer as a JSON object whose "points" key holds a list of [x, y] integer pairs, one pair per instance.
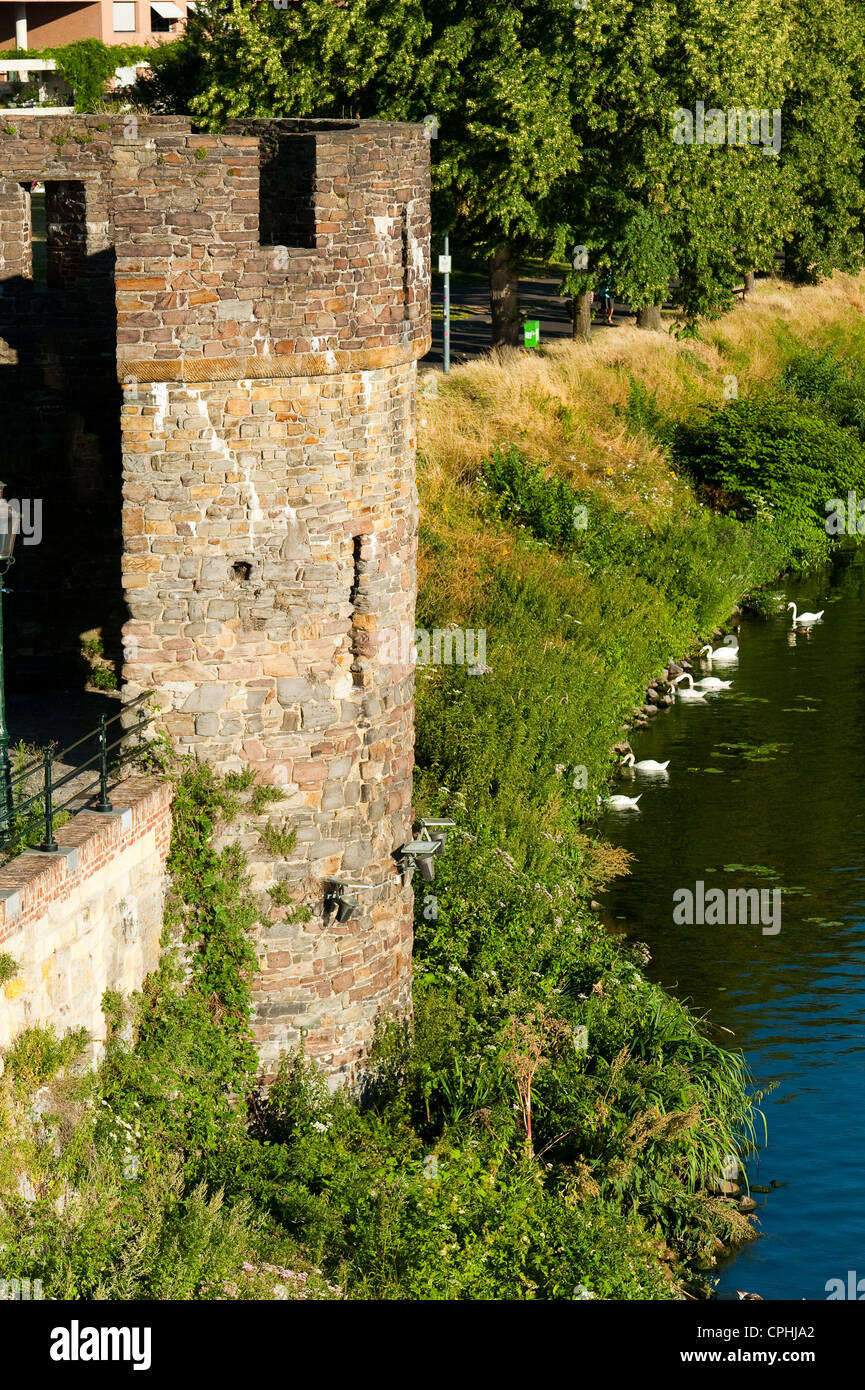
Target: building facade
{"points": [[52, 23]]}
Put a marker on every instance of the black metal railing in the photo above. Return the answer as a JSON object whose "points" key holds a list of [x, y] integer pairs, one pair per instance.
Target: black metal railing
{"points": [[31, 815]]}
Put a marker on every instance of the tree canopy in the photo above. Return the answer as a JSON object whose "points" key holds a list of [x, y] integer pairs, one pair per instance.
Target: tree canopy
{"points": [[680, 142]]}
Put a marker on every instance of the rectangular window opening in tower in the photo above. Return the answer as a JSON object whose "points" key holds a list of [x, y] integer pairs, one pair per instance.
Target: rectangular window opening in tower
{"points": [[66, 232], [36, 232], [287, 190], [354, 594], [58, 233]]}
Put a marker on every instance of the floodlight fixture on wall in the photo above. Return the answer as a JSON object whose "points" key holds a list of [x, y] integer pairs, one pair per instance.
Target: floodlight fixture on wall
{"points": [[420, 854], [437, 827], [337, 896]]}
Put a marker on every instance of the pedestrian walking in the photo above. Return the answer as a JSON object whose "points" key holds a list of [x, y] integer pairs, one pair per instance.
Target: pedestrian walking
{"points": [[606, 302]]}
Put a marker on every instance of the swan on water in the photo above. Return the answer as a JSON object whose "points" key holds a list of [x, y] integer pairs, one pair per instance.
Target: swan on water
{"points": [[689, 693], [621, 803], [645, 764], [712, 683], [721, 654], [799, 618]]}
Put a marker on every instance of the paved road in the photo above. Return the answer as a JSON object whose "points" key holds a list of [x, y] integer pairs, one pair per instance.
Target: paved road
{"points": [[470, 316]]}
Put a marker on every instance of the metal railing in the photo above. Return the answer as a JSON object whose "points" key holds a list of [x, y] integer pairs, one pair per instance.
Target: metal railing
{"points": [[22, 820]]}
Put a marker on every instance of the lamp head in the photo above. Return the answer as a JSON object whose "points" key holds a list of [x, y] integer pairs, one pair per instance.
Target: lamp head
{"points": [[10, 522], [338, 895], [437, 827], [420, 855]]}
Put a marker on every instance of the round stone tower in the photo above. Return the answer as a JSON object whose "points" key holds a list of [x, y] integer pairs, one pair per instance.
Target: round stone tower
{"points": [[272, 302]]}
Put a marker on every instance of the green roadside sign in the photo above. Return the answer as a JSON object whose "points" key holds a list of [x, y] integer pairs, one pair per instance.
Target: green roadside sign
{"points": [[532, 332]]}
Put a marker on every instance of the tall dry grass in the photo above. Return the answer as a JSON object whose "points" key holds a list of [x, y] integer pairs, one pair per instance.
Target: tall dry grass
{"points": [[565, 404]]}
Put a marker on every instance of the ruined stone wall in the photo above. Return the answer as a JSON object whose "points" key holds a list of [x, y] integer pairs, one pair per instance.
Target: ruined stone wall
{"points": [[270, 517], [270, 512]]}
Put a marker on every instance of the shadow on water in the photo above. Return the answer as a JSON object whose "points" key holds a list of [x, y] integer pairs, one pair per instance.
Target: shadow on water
{"points": [[766, 790]]}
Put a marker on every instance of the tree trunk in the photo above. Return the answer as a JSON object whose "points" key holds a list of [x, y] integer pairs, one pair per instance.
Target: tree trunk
{"points": [[581, 314], [650, 317], [749, 284], [504, 303]]}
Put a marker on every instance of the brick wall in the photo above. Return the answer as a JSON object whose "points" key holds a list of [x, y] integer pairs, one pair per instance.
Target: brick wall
{"points": [[87, 918]]}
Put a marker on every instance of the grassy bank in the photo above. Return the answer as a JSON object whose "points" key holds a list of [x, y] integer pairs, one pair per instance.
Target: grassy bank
{"points": [[549, 1122], [638, 429]]}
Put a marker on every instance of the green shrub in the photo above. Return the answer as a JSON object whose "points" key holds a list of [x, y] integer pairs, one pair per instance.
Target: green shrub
{"points": [[38, 1054], [836, 387], [522, 492], [644, 414], [765, 457], [88, 64]]}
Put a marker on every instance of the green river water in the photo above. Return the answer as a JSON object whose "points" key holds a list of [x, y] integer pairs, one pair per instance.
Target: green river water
{"points": [[766, 790]]}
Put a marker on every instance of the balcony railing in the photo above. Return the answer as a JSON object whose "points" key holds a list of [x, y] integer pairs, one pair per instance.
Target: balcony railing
{"points": [[27, 814]]}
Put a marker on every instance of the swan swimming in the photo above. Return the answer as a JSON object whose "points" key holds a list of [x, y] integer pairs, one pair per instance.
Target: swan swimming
{"points": [[689, 693], [645, 765], [805, 617], [622, 803], [712, 683], [727, 653]]}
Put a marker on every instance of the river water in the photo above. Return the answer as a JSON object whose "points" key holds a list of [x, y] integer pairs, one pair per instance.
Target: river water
{"points": [[766, 790]]}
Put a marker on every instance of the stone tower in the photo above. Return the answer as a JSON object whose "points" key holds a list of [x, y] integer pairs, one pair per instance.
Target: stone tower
{"points": [[272, 300]]}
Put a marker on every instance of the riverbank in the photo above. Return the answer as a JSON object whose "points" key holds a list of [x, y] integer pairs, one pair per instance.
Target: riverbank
{"points": [[566, 516], [549, 1124]]}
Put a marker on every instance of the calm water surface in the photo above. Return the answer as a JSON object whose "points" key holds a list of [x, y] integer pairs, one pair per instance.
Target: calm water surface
{"points": [[766, 790]]}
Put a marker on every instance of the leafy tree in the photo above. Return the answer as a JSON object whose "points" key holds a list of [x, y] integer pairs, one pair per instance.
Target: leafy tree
{"points": [[244, 58], [505, 90], [502, 84], [651, 206], [556, 126], [823, 132]]}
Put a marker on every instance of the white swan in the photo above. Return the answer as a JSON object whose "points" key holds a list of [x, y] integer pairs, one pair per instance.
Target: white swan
{"points": [[800, 618], [622, 803], [690, 693], [728, 653], [712, 683], [645, 765]]}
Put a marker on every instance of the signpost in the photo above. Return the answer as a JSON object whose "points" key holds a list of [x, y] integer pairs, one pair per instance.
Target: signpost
{"points": [[445, 270], [532, 332]]}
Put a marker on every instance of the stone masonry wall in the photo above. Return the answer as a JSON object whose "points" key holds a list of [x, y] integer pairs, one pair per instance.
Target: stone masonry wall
{"points": [[270, 512], [269, 559], [88, 918]]}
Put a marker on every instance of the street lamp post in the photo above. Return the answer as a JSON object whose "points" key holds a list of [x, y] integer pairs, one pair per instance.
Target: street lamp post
{"points": [[9, 521]]}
